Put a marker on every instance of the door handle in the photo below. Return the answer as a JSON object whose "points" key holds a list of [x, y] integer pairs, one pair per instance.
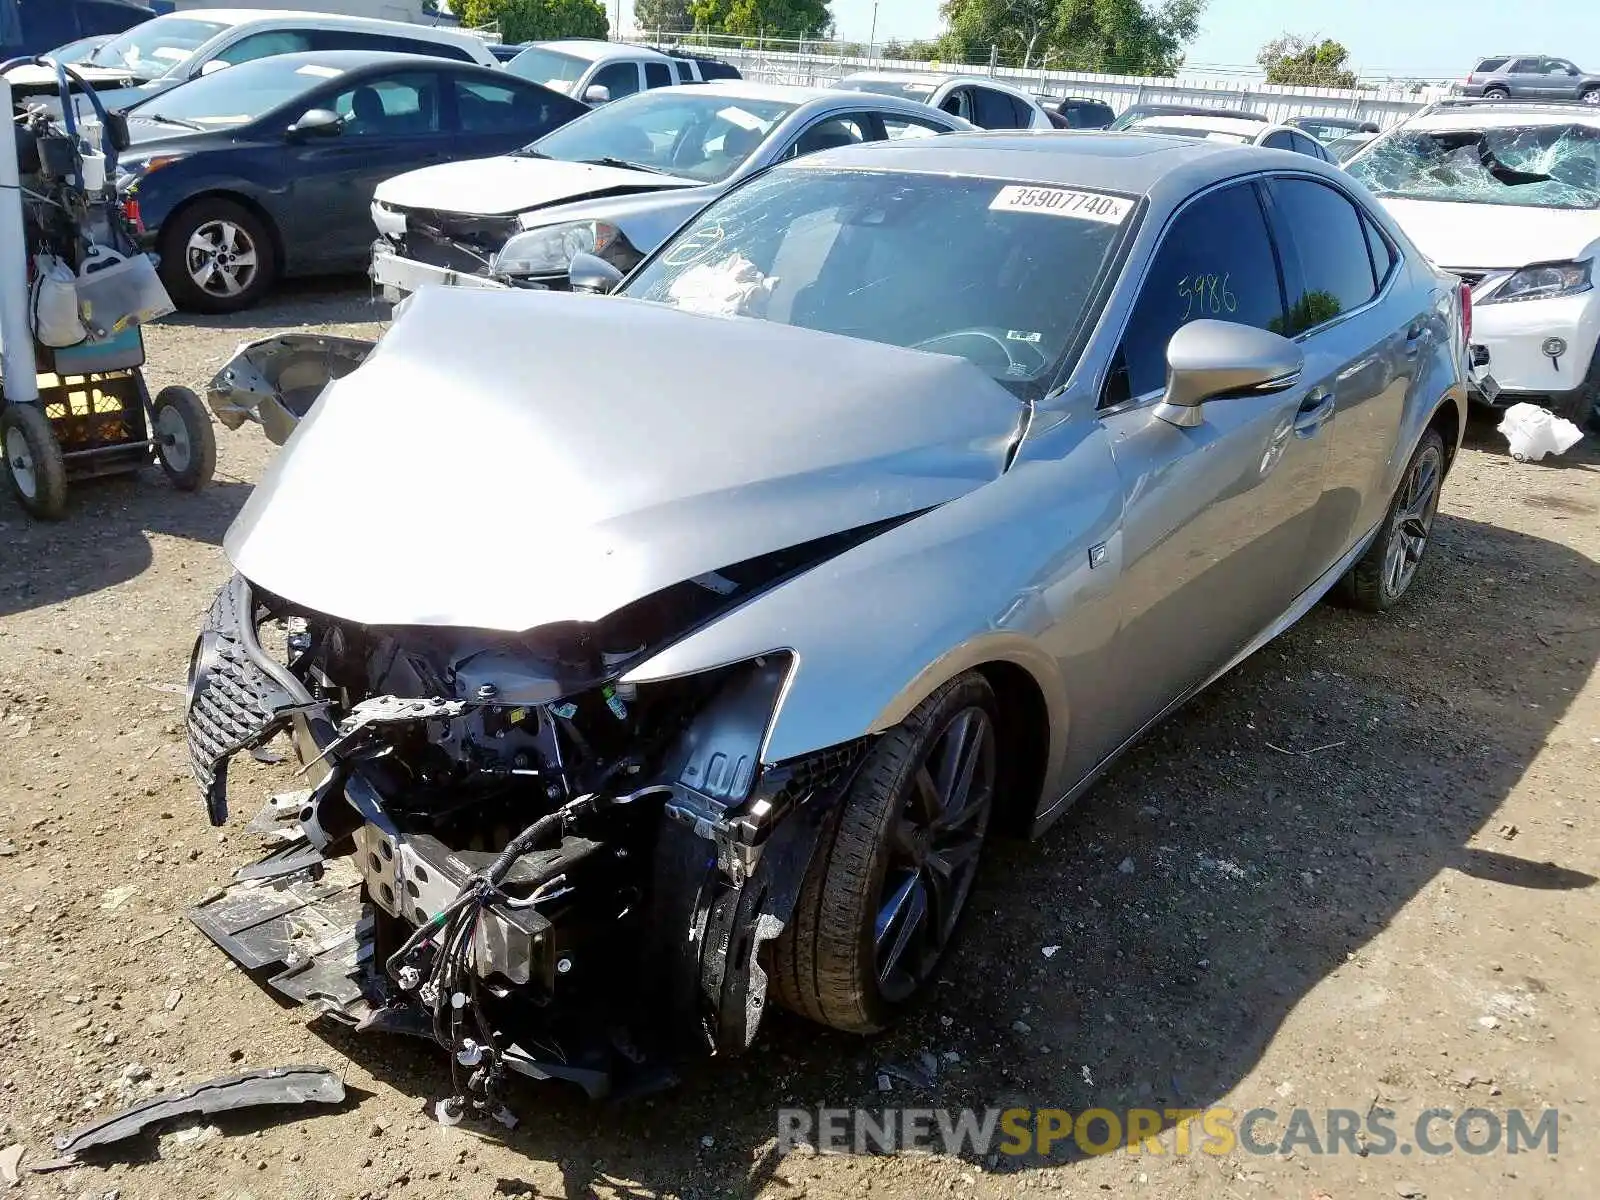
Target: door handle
{"points": [[1315, 409]]}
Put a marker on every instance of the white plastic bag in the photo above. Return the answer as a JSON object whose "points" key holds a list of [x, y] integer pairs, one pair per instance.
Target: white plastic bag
{"points": [[1534, 432], [55, 304], [734, 287]]}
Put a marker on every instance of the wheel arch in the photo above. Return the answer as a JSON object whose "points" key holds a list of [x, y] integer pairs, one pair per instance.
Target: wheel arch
{"points": [[1033, 719], [245, 201]]}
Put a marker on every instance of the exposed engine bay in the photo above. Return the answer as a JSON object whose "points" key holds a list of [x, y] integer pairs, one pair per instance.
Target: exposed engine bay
{"points": [[507, 848]]}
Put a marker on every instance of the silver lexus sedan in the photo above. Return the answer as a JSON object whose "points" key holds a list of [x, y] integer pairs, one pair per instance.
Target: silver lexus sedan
{"points": [[692, 641]]}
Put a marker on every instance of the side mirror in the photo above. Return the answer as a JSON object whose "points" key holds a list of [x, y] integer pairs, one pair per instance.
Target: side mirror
{"points": [[590, 273], [215, 65], [318, 122], [1210, 360], [597, 93]]}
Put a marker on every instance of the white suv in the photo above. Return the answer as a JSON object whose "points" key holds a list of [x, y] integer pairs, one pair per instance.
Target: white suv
{"points": [[1506, 194], [592, 71], [986, 103]]}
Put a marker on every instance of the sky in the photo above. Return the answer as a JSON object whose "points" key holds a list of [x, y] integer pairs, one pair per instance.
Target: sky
{"points": [[1423, 38]]}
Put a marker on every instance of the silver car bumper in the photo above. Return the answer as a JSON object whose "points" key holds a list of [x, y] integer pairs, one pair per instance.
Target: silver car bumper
{"points": [[399, 277]]}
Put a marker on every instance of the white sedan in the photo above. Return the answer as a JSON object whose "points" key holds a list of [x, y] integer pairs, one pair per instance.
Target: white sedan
{"points": [[1239, 130]]}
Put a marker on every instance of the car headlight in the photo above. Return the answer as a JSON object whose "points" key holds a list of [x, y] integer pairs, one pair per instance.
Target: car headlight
{"points": [[548, 250], [130, 173], [1543, 282]]}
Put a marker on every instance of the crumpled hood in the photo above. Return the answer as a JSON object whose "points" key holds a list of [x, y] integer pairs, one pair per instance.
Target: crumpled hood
{"points": [[505, 460], [1494, 235], [509, 184]]}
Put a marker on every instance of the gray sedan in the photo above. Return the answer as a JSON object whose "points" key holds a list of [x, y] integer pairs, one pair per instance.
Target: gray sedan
{"points": [[618, 183], [883, 507]]}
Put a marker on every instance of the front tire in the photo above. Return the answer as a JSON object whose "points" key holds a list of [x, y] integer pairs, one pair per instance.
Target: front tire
{"points": [[894, 865], [185, 442], [1386, 571], [34, 463], [217, 257]]}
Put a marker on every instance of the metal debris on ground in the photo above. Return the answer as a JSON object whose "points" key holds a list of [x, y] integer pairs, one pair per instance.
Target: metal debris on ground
{"points": [[266, 1086]]}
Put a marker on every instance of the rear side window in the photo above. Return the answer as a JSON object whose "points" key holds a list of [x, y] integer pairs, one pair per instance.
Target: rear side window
{"points": [[1279, 139], [1525, 66], [1217, 262], [718, 70], [1304, 145], [1490, 64], [485, 106], [657, 75], [619, 78], [1330, 242], [1383, 255], [994, 109], [265, 45], [346, 39]]}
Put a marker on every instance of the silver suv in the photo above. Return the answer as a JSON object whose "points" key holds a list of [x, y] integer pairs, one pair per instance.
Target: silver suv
{"points": [[1531, 77]]}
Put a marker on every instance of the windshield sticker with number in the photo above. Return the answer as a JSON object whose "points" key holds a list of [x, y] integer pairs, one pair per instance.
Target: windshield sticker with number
{"points": [[1062, 202]]}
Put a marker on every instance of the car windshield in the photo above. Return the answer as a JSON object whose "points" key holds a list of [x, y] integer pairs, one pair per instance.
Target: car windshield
{"points": [[907, 89], [549, 67], [150, 50], [705, 136], [995, 272], [1540, 166], [238, 95], [1325, 132]]}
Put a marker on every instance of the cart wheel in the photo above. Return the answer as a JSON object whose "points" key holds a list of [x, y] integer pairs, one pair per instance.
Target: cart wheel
{"points": [[34, 464], [185, 441]]}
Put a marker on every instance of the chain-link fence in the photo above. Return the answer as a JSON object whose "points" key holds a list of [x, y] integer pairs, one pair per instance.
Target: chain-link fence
{"points": [[822, 62]]}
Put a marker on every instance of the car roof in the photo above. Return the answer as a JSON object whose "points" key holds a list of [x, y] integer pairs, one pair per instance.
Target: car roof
{"points": [[1131, 163], [1505, 114], [353, 60], [1243, 126], [800, 96], [595, 50], [234, 17], [1157, 109]]}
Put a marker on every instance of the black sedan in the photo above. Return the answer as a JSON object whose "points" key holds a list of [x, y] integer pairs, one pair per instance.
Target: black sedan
{"points": [[267, 169]]}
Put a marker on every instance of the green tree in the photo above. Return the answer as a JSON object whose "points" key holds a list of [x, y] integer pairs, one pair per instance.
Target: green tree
{"points": [[1119, 36], [671, 16], [1307, 62], [918, 51], [538, 20], [770, 18]]}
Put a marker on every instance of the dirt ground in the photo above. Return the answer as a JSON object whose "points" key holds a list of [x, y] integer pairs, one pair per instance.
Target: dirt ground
{"points": [[1358, 872]]}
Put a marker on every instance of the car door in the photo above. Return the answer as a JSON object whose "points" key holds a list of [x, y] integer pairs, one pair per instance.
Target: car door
{"points": [[995, 110], [657, 75], [1361, 348], [1562, 79], [1523, 78], [618, 78], [498, 114], [392, 123], [1216, 517], [832, 131]]}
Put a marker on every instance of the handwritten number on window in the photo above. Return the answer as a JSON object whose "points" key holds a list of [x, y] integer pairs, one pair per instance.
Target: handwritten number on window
{"points": [[1206, 296]]}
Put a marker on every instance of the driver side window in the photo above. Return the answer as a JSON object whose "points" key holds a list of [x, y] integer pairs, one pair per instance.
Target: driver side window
{"points": [[1216, 262]]}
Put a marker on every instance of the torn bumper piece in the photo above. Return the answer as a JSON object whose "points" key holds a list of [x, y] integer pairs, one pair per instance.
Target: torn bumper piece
{"points": [[267, 1086], [273, 382]]}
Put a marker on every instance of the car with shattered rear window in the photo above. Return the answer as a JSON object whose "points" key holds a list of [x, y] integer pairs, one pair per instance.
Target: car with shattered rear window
{"points": [[1506, 194], [693, 657]]}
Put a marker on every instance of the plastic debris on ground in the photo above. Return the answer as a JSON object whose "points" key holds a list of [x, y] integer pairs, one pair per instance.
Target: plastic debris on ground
{"points": [[1535, 432]]}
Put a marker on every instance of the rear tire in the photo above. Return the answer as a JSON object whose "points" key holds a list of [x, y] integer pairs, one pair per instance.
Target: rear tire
{"points": [[1496, 93], [35, 467], [893, 865], [185, 442], [217, 256], [1386, 571]]}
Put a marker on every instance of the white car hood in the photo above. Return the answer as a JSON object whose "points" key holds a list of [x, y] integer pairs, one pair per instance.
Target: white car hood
{"points": [[1495, 235], [509, 184]]}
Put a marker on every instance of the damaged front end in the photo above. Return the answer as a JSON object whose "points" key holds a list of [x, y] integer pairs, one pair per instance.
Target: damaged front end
{"points": [[273, 382], [502, 845]]}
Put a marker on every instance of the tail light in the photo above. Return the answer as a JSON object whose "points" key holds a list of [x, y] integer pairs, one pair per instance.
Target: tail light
{"points": [[1466, 312]]}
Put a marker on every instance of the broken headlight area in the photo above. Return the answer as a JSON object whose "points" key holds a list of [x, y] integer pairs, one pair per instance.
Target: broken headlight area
{"points": [[501, 845]]}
